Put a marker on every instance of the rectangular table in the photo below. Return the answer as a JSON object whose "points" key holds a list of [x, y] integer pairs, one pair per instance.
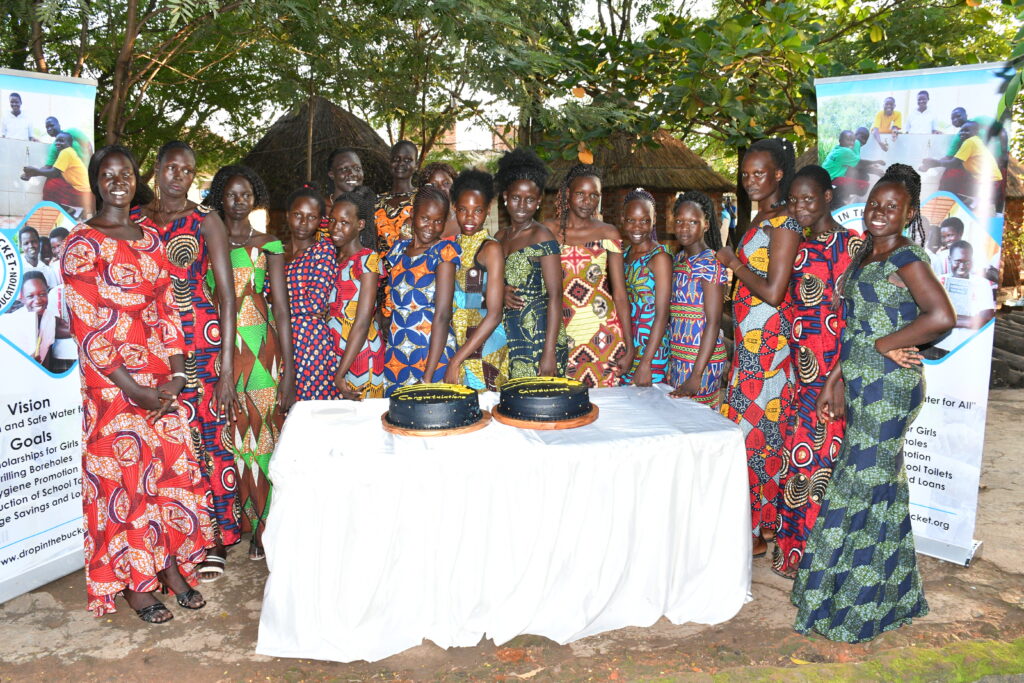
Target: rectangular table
{"points": [[376, 541]]}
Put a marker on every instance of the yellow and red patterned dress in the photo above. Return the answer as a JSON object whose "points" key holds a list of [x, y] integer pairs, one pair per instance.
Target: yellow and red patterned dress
{"points": [[143, 495]]}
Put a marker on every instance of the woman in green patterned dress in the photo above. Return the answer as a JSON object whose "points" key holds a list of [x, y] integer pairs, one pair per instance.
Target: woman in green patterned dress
{"points": [[481, 360], [264, 369], [858, 576], [537, 344]]}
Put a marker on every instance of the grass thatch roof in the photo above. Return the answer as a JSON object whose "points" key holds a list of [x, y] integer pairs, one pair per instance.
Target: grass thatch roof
{"points": [[670, 165], [280, 155], [1015, 179]]}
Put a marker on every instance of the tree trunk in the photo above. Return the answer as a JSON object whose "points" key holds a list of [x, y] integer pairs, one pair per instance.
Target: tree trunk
{"points": [[113, 112], [37, 41], [309, 134]]}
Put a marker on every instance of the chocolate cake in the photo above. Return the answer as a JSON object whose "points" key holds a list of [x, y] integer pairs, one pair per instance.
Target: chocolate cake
{"points": [[544, 399], [433, 406]]}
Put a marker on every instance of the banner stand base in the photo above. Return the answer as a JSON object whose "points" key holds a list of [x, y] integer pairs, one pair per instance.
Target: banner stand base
{"points": [[42, 575], [944, 551]]}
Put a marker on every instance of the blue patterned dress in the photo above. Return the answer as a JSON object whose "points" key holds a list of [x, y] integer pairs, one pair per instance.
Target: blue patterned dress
{"points": [[858, 576], [640, 290], [687, 320], [411, 281]]}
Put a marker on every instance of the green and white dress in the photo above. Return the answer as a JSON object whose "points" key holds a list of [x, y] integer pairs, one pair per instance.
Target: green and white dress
{"points": [[858, 576]]}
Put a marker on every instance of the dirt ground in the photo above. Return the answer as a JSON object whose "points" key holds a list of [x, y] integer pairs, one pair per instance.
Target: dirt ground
{"points": [[975, 629]]}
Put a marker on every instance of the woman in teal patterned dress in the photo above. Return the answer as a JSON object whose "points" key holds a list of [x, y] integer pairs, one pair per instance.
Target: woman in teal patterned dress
{"points": [[858, 576], [537, 344], [648, 288]]}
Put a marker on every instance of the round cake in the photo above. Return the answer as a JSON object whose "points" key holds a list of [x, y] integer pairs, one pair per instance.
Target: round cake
{"points": [[544, 399], [433, 406]]}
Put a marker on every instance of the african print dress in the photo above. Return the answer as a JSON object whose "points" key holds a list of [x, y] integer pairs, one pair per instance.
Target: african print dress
{"points": [[760, 394], [144, 497], [412, 280], [526, 327], [310, 277], [640, 290], [687, 320], [487, 368], [811, 445], [390, 221], [366, 374], [190, 262], [257, 373], [588, 312], [858, 576]]}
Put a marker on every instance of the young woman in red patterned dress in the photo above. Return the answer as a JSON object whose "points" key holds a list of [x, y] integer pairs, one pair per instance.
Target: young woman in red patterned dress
{"points": [[759, 395], [209, 395], [147, 507]]}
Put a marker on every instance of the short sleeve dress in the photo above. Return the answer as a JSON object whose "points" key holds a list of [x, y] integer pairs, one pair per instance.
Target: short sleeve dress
{"points": [[640, 290], [366, 374], [412, 280], [687, 321], [588, 312], [858, 576], [144, 497]]}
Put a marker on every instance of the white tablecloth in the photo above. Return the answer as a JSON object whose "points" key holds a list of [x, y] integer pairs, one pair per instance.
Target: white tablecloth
{"points": [[376, 541]]}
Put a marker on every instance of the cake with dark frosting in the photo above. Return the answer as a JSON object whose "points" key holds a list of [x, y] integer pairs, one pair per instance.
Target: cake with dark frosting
{"points": [[544, 399], [433, 406]]}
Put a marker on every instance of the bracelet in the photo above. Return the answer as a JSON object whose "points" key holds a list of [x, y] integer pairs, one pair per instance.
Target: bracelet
{"points": [[181, 375]]}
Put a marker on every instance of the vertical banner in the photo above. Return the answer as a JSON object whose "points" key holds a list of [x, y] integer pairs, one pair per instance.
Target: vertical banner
{"points": [[942, 123], [45, 143]]}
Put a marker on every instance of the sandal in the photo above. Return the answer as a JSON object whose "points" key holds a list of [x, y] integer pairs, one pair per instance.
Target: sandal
{"points": [[151, 614], [212, 567], [256, 552], [187, 599], [791, 574]]}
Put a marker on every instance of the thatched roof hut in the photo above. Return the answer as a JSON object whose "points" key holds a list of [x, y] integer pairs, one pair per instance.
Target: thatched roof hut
{"points": [[1013, 263], [280, 155], [664, 169]]}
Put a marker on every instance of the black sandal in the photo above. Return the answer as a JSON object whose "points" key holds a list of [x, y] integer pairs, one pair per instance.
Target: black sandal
{"points": [[190, 595], [149, 613]]}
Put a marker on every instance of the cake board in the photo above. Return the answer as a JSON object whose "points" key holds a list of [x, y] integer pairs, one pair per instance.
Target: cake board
{"points": [[580, 421], [485, 418]]}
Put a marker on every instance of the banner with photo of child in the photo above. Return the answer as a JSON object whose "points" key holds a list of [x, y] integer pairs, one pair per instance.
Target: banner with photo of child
{"points": [[941, 122], [45, 144]]}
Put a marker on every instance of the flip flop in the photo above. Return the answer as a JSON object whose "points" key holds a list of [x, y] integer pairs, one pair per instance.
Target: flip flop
{"points": [[213, 564]]}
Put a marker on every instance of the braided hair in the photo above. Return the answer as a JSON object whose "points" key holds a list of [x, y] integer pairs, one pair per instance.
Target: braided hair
{"points": [[305, 191], [427, 194], [472, 180], [171, 146], [562, 203], [365, 201], [215, 198], [911, 181], [641, 195], [713, 236], [784, 157]]}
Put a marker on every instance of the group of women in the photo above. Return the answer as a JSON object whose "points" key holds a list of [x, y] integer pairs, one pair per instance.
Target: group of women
{"points": [[197, 332]]}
